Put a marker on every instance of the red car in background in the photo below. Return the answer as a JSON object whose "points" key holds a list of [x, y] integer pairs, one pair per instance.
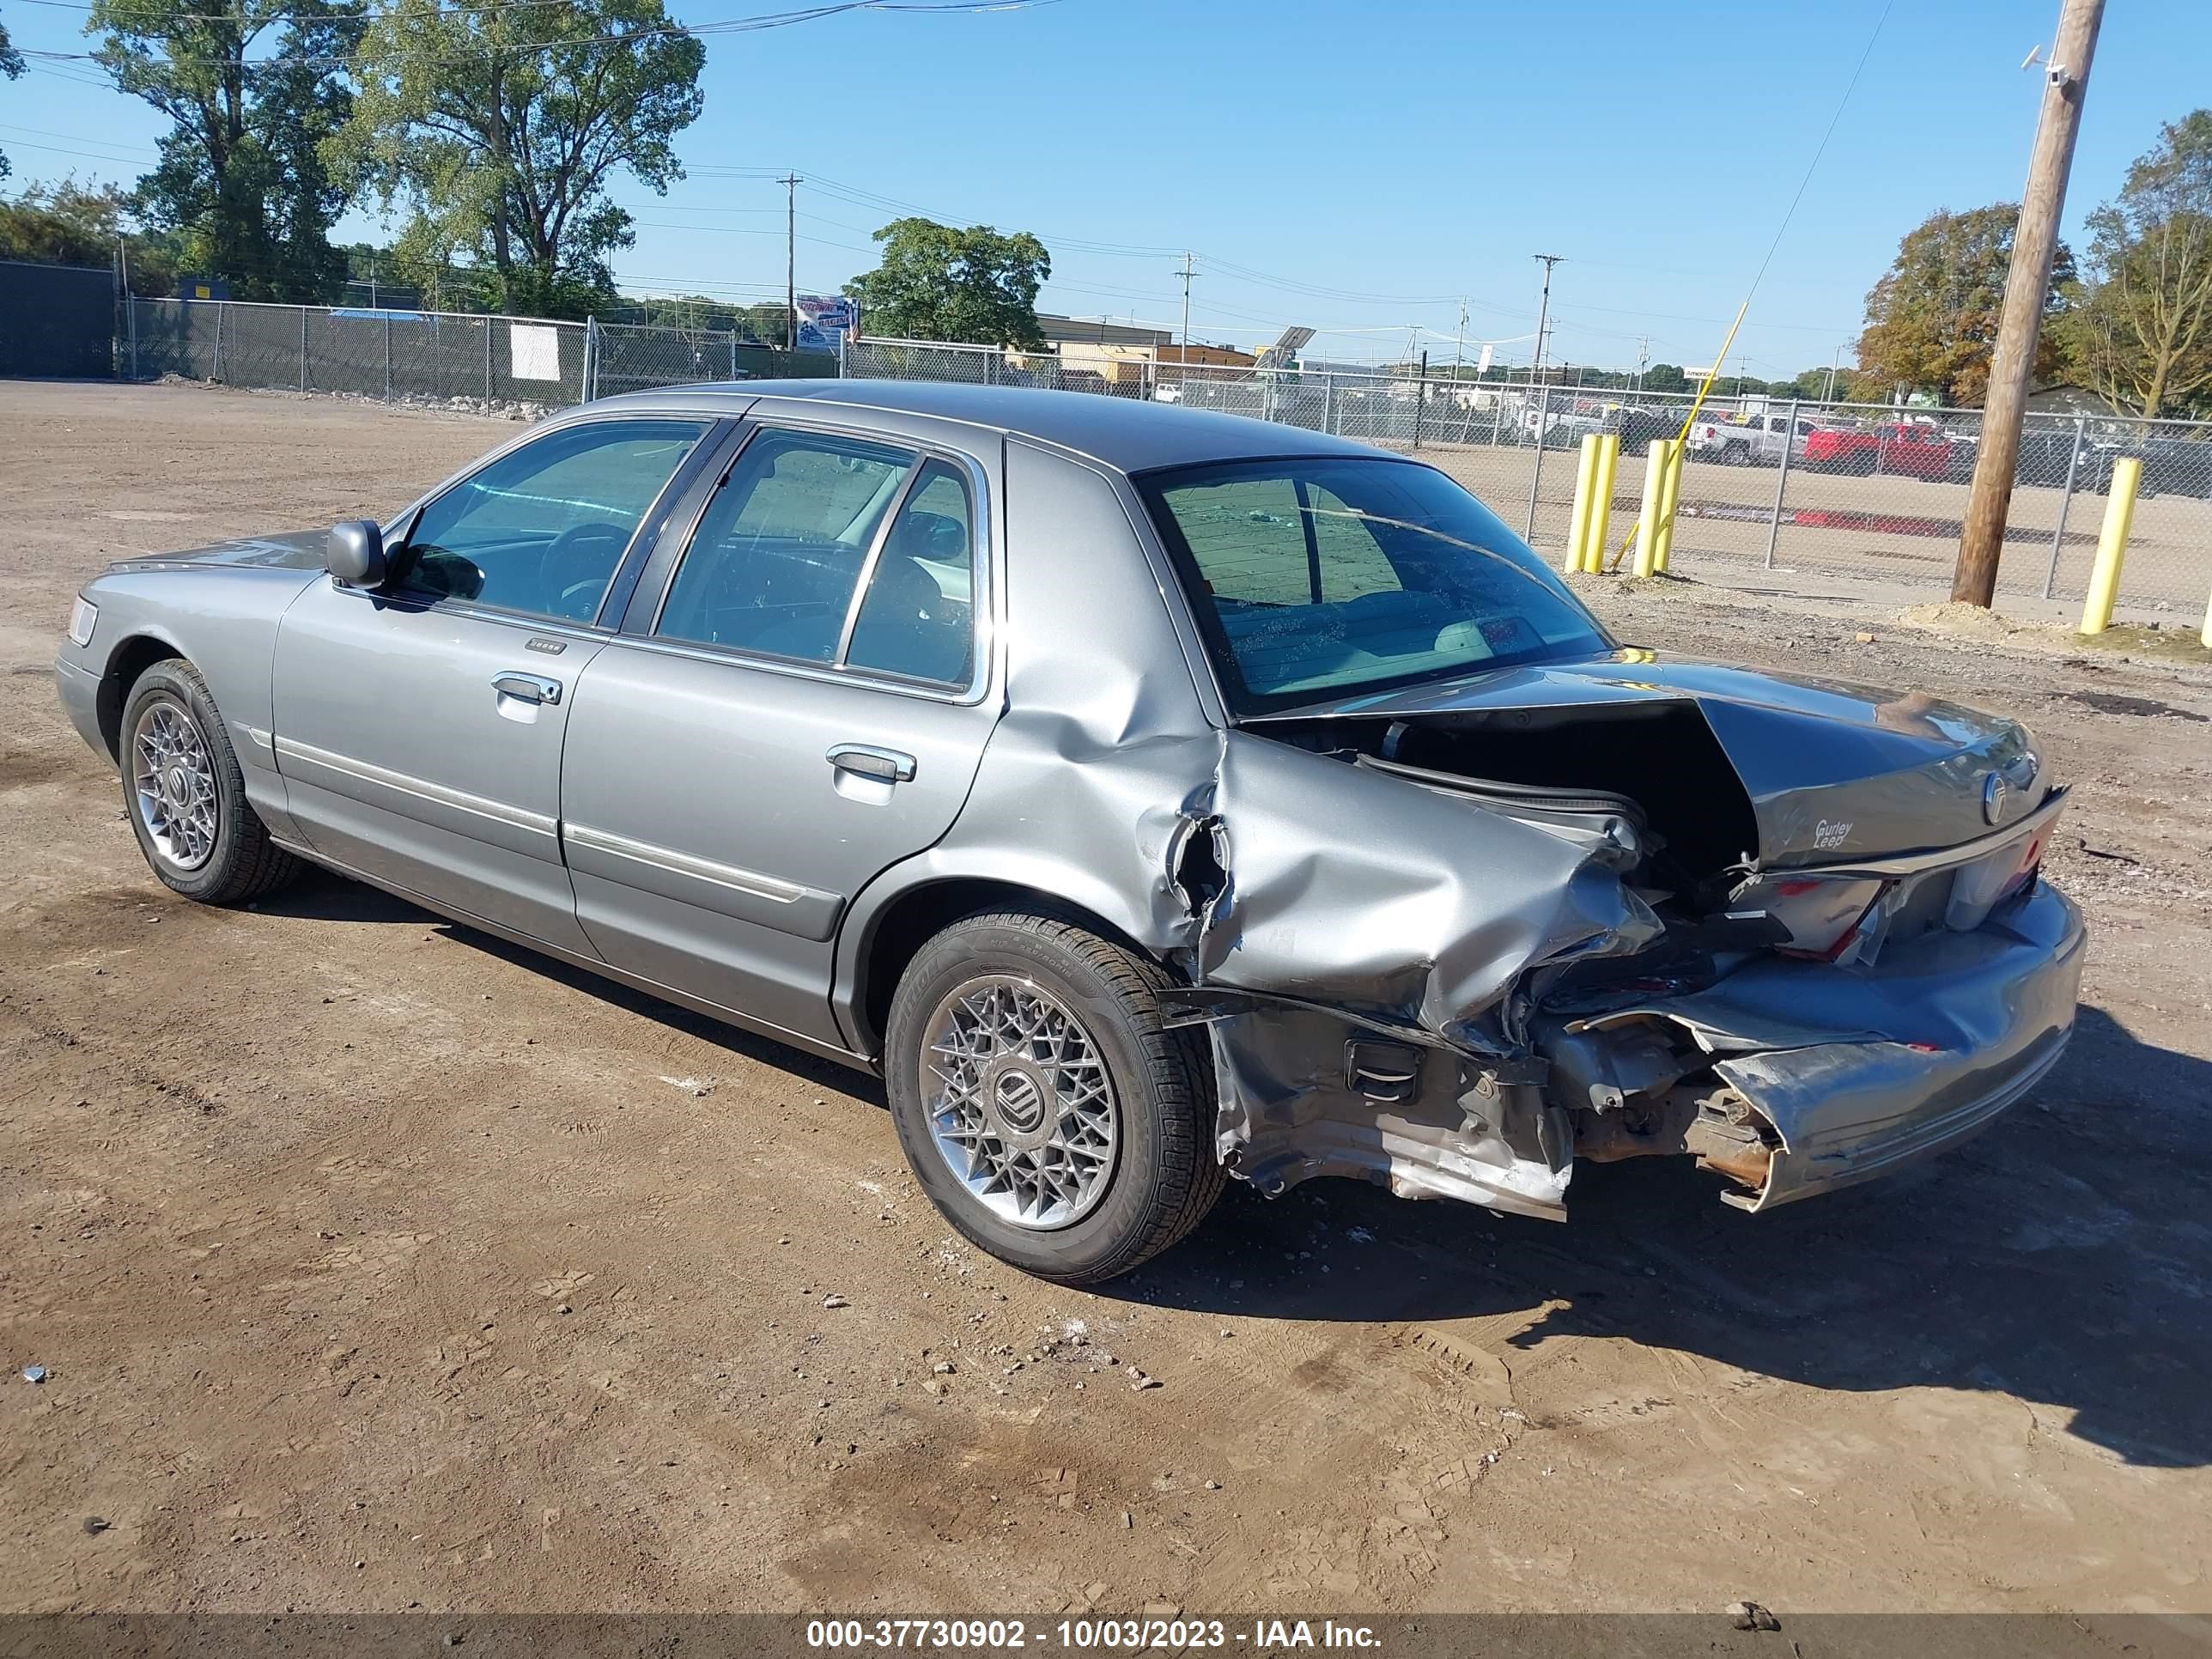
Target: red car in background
{"points": [[1914, 449]]}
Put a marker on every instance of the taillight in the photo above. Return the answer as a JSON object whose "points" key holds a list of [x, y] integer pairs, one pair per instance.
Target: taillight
{"points": [[1821, 915], [2030, 864]]}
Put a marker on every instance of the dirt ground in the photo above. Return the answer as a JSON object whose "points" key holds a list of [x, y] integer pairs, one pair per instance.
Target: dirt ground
{"points": [[374, 1264]]}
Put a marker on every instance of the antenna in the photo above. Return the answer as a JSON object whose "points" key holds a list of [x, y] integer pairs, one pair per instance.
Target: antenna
{"points": [[2034, 57]]}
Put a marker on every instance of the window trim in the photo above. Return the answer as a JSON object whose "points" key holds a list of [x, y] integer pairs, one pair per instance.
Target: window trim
{"points": [[651, 526], [874, 557], [642, 625]]}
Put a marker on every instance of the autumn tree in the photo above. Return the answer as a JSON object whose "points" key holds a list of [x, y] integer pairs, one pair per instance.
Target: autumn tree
{"points": [[251, 89], [1932, 318], [933, 282], [2139, 334], [500, 127]]}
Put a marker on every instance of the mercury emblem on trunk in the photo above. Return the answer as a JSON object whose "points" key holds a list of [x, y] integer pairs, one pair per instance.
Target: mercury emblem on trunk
{"points": [[1994, 791]]}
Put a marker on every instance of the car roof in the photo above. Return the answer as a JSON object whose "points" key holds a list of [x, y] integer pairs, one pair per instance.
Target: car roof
{"points": [[1131, 435]]}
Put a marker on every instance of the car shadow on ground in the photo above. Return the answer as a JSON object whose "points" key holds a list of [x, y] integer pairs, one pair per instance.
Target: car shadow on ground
{"points": [[318, 895], [321, 896], [2063, 1257]]}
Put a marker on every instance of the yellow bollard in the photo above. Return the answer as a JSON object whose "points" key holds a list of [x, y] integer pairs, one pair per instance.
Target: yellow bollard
{"points": [[1585, 492], [1655, 498], [1601, 517], [2112, 545], [1674, 452]]}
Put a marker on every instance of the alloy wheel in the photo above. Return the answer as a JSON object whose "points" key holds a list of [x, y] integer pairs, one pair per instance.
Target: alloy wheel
{"points": [[173, 784], [1020, 1105]]}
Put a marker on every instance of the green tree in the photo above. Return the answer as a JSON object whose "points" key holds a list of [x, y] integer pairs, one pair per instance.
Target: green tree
{"points": [[1812, 383], [1932, 317], [500, 125], [934, 282], [1666, 377], [11, 66], [2140, 333], [252, 89], [67, 223], [769, 324]]}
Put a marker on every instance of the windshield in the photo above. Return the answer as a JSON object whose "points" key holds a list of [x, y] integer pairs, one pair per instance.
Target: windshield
{"points": [[1315, 576]]}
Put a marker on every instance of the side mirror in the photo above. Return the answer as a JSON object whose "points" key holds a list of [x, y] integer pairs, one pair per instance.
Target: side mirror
{"points": [[355, 553]]}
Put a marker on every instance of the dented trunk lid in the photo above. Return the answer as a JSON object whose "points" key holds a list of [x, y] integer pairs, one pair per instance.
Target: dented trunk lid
{"points": [[1832, 771]]}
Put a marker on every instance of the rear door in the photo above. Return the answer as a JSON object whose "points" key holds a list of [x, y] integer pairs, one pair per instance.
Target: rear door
{"points": [[803, 704], [420, 728]]}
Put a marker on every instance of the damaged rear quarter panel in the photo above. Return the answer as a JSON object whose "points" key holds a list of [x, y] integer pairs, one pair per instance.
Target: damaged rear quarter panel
{"points": [[1364, 899]]}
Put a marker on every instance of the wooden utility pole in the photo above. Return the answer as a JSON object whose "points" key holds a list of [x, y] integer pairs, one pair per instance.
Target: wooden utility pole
{"points": [[790, 183], [2034, 242], [1543, 315]]}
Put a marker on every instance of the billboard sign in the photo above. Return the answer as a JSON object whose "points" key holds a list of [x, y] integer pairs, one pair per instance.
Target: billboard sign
{"points": [[824, 320]]}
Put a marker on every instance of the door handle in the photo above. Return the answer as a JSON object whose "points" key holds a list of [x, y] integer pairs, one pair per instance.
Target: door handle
{"points": [[526, 688], [867, 761]]}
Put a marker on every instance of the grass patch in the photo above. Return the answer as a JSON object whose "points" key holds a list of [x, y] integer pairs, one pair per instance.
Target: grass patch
{"points": [[2176, 644]]}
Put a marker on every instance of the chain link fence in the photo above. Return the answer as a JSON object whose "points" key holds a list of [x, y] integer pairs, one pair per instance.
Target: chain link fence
{"points": [[1867, 492], [431, 356]]}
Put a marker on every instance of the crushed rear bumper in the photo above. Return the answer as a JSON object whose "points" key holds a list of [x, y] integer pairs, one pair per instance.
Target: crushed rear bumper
{"points": [[1948, 1031]]}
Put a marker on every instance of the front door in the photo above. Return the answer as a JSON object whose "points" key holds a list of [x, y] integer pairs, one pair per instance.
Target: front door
{"points": [[807, 706], [419, 728]]}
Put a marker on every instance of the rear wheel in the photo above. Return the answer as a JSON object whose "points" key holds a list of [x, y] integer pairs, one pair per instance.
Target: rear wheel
{"points": [[1042, 1103], [185, 797]]}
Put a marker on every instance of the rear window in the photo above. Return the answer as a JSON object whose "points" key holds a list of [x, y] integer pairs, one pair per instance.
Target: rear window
{"points": [[1312, 577]]}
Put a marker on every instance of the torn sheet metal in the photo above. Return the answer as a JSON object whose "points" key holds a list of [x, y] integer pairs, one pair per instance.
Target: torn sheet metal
{"points": [[1351, 901], [1293, 1105], [1356, 889], [1830, 769]]}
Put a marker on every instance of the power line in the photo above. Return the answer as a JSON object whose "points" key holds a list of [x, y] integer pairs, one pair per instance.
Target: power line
{"points": [[724, 26]]}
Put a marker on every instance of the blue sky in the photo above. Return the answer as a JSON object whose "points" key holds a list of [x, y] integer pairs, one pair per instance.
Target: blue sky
{"points": [[1356, 168]]}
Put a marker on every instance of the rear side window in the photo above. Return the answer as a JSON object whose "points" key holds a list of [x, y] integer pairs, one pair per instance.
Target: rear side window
{"points": [[541, 528], [836, 550]]}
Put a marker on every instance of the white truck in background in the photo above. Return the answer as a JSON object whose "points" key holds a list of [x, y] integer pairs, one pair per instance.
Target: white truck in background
{"points": [[1757, 440]]}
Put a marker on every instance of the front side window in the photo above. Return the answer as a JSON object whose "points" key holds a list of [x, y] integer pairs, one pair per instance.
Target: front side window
{"points": [[778, 565], [541, 528], [1317, 576]]}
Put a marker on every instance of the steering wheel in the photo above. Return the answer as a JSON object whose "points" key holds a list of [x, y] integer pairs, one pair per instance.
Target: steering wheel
{"points": [[576, 567]]}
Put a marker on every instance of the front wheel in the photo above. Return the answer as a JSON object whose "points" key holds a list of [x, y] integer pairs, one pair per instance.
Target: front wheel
{"points": [[186, 796], [1041, 1101]]}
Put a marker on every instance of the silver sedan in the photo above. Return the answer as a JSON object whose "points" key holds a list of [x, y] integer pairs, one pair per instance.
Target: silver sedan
{"points": [[1150, 796]]}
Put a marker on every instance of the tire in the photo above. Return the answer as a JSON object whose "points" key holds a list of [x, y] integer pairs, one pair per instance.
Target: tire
{"points": [[1736, 455], [217, 851], [1158, 1178]]}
